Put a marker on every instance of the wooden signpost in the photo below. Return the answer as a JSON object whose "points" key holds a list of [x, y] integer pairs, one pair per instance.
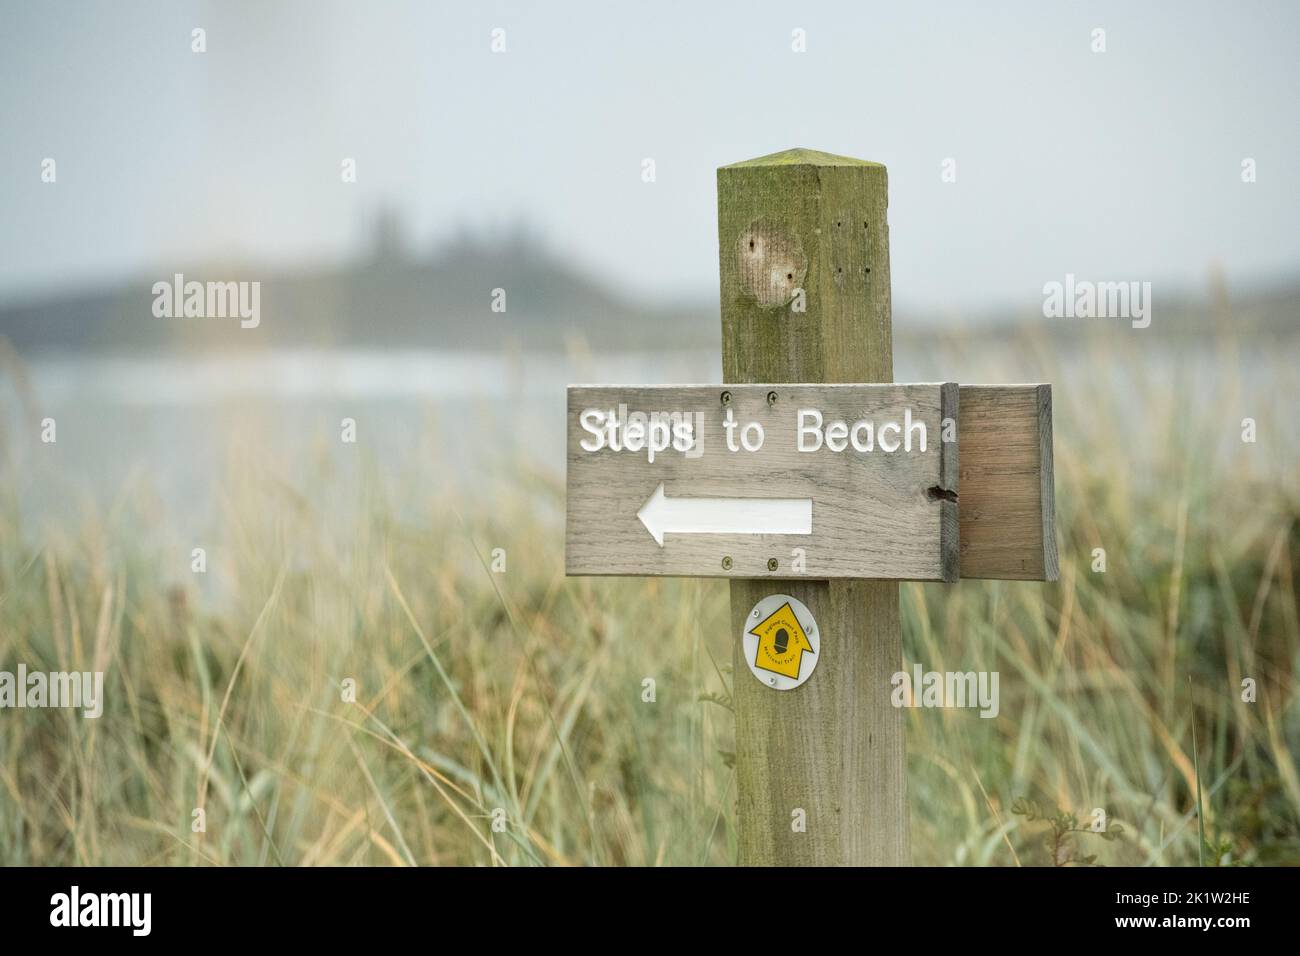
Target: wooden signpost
{"points": [[815, 492]]}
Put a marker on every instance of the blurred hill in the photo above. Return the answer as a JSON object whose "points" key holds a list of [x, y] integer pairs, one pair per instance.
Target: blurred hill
{"points": [[387, 300], [392, 299]]}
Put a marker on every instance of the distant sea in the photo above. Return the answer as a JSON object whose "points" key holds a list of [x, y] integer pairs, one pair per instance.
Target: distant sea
{"points": [[440, 420]]}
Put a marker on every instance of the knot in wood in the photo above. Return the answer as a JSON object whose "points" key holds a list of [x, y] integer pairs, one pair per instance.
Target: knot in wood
{"points": [[772, 264]]}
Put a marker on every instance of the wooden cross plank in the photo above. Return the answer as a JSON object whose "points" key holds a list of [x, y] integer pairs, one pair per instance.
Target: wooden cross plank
{"points": [[881, 525]]}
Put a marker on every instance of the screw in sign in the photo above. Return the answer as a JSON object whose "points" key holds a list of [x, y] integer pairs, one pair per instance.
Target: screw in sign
{"points": [[781, 642]]}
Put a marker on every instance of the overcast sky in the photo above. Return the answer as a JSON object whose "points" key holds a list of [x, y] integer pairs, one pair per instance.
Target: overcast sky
{"points": [[1117, 165]]}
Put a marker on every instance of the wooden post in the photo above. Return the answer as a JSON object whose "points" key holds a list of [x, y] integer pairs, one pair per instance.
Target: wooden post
{"points": [[804, 249]]}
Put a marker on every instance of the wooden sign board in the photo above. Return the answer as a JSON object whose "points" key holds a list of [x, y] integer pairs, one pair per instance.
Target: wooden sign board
{"points": [[729, 480]]}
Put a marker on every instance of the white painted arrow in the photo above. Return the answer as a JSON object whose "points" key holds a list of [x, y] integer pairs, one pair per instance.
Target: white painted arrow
{"points": [[663, 515]]}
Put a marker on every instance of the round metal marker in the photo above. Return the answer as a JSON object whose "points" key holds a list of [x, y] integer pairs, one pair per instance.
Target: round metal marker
{"points": [[781, 642]]}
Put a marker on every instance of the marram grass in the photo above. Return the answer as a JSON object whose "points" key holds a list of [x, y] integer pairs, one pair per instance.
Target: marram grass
{"points": [[517, 697]]}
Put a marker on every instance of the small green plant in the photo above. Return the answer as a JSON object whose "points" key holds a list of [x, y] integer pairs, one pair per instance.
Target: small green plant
{"points": [[1061, 842]]}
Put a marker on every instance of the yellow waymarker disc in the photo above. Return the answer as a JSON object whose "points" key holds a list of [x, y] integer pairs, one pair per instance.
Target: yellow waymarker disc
{"points": [[781, 641]]}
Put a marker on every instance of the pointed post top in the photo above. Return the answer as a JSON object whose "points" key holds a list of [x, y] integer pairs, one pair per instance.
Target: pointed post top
{"points": [[801, 157]]}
